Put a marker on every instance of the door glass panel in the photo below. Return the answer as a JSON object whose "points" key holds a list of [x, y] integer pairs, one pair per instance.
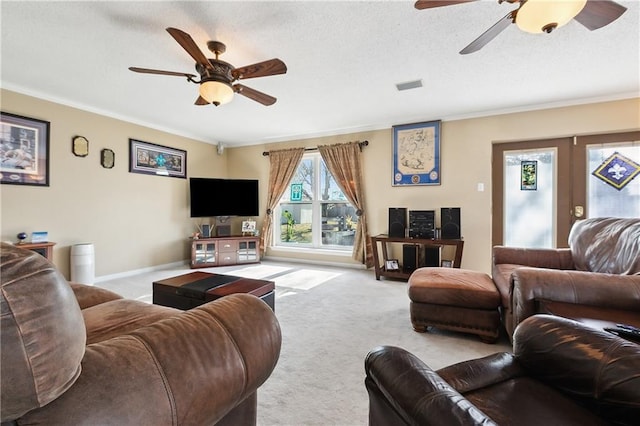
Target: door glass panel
{"points": [[529, 198], [605, 199]]}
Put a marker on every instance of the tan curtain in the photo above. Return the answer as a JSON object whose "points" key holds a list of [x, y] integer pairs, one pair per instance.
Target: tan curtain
{"points": [[283, 165], [344, 163]]}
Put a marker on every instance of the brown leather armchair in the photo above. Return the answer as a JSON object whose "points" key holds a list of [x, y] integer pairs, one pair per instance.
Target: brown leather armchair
{"points": [[75, 354], [561, 372], [597, 278]]}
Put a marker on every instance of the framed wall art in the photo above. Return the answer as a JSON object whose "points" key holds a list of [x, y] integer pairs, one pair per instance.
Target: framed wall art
{"points": [[416, 154], [152, 159], [24, 150]]}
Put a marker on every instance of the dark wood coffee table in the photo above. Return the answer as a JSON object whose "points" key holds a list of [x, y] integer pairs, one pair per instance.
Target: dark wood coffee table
{"points": [[193, 289]]}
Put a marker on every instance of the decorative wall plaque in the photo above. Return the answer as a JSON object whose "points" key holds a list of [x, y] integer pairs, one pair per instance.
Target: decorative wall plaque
{"points": [[107, 158], [80, 146]]}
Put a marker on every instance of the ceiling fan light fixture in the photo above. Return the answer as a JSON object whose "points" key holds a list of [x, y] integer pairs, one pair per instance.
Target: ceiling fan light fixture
{"points": [[216, 92], [537, 16]]}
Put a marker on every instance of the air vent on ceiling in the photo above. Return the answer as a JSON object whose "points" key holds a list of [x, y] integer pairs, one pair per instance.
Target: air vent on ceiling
{"points": [[409, 85]]}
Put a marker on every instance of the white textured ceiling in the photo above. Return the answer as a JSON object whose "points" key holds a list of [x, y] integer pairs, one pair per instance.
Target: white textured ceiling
{"points": [[343, 57]]}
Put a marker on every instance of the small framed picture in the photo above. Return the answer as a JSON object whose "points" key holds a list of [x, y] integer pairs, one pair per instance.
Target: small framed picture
{"points": [[248, 227], [391, 265], [39, 237], [447, 264]]}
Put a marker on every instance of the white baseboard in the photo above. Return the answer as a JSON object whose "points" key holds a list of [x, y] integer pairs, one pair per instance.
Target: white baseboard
{"points": [[124, 274], [314, 262]]}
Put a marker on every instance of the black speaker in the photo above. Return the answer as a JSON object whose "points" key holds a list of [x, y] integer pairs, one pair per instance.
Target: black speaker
{"points": [[432, 255], [422, 223], [450, 223], [397, 221], [412, 257]]}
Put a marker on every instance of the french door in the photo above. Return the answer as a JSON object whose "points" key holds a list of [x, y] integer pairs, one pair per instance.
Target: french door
{"points": [[539, 188]]}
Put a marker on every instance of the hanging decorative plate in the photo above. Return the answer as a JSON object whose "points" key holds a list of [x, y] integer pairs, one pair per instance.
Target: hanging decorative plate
{"points": [[617, 170]]}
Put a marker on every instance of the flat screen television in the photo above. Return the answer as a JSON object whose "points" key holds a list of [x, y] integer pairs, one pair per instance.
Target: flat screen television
{"points": [[210, 197]]}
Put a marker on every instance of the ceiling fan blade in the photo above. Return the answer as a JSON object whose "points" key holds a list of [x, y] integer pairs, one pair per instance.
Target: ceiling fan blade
{"points": [[257, 96], [261, 69], [490, 34], [597, 14], [161, 72], [201, 101], [190, 46], [429, 4]]}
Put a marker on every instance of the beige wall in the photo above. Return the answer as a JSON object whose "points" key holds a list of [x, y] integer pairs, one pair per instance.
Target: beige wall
{"points": [[134, 221], [139, 221], [466, 161]]}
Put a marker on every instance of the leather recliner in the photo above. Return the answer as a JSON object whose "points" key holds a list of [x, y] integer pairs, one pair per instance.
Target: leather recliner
{"points": [[597, 278], [561, 372], [76, 354]]}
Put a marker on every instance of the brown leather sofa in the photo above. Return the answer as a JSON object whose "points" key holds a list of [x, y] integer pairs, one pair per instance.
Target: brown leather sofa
{"points": [[75, 354], [597, 278], [561, 372]]}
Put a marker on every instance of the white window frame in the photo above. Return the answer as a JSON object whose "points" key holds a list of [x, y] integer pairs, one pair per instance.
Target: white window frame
{"points": [[316, 213]]}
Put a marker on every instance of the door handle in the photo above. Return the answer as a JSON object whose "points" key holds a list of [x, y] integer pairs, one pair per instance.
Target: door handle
{"points": [[579, 211]]}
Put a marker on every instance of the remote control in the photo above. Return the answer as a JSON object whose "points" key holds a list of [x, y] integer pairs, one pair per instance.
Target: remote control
{"points": [[628, 327], [629, 334]]}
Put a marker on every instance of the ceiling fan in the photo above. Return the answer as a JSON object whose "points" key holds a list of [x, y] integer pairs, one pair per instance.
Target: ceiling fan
{"points": [[218, 79], [537, 16]]}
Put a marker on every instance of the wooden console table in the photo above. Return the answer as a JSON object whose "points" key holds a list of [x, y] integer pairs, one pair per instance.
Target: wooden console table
{"points": [[224, 251], [384, 240], [45, 249]]}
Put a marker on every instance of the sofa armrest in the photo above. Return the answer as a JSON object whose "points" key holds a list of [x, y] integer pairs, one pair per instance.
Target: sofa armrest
{"points": [[535, 257], [611, 291], [402, 389], [591, 365], [482, 372], [88, 296], [191, 368]]}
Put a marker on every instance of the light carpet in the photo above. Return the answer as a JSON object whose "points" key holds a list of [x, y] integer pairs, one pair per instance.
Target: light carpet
{"points": [[330, 318]]}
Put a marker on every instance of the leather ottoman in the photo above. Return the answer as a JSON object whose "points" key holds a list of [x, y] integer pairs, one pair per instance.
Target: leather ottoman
{"points": [[455, 299]]}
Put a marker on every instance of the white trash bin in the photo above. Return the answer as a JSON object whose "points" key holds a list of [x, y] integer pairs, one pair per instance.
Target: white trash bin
{"points": [[83, 266]]}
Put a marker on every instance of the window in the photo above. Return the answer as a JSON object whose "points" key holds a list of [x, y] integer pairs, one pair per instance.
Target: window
{"points": [[314, 212]]}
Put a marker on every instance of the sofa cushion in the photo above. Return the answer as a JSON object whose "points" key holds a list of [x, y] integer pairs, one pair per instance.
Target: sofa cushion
{"points": [[607, 245]]}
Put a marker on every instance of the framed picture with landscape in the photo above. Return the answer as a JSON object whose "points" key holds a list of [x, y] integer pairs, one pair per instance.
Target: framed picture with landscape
{"points": [[152, 159], [416, 154], [24, 150]]}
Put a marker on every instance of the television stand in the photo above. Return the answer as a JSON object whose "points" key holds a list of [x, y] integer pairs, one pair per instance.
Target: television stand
{"points": [[224, 251]]}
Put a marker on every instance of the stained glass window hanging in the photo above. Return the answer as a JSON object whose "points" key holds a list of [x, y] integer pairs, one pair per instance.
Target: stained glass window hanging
{"points": [[617, 170]]}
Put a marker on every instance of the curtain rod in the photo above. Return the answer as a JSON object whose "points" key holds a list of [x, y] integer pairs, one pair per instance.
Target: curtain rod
{"points": [[362, 144]]}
